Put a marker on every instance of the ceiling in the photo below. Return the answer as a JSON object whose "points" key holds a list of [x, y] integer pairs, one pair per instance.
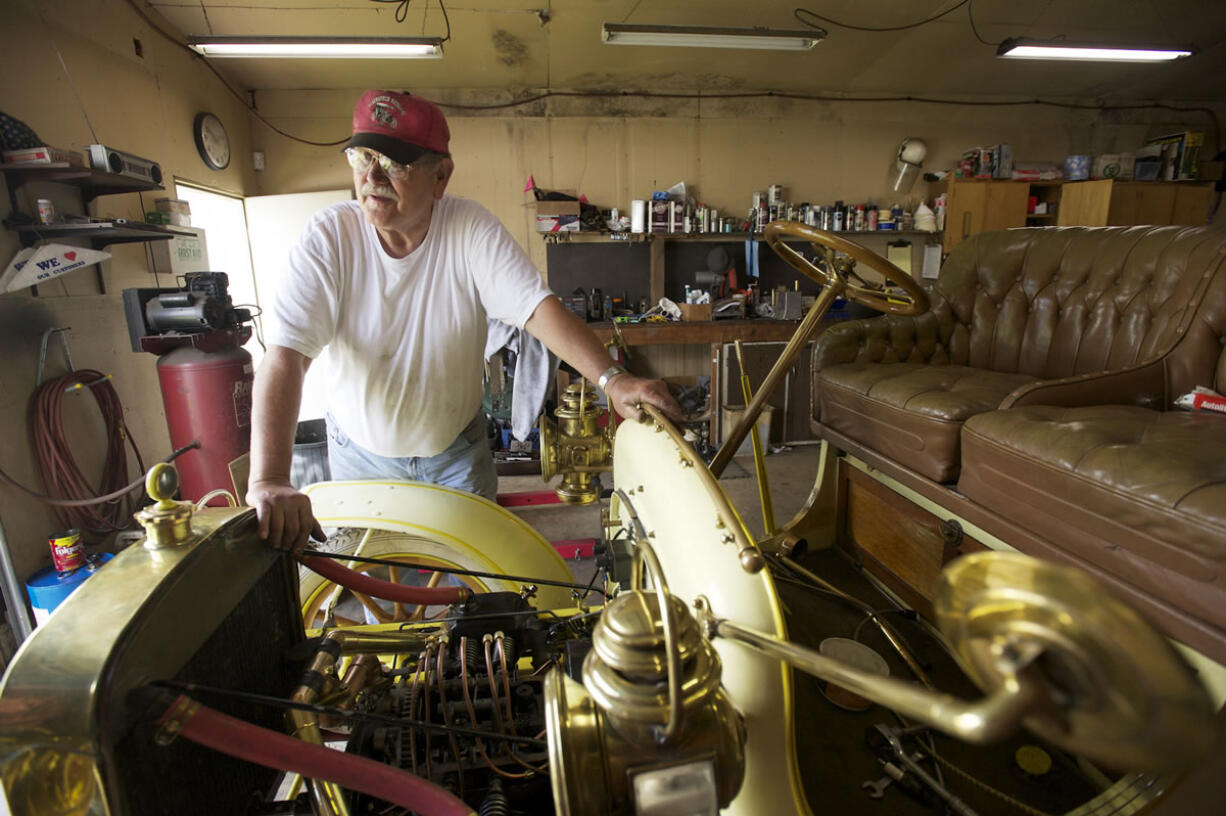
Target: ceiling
{"points": [[513, 45]]}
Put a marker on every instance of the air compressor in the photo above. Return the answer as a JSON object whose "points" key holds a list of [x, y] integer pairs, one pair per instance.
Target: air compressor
{"points": [[205, 374]]}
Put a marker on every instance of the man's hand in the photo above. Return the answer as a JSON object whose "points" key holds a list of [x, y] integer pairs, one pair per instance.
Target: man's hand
{"points": [[285, 515], [626, 391]]}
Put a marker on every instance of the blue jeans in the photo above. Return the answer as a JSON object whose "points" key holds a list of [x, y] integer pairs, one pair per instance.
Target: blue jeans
{"points": [[467, 464]]}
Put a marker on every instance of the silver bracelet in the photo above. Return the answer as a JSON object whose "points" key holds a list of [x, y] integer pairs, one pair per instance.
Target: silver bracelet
{"points": [[610, 372]]}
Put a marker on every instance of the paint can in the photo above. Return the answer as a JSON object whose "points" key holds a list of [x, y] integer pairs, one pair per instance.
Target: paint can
{"points": [[46, 211], [67, 551]]}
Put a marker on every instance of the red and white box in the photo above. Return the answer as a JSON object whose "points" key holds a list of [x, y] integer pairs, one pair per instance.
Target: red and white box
{"points": [[1202, 399], [43, 155]]}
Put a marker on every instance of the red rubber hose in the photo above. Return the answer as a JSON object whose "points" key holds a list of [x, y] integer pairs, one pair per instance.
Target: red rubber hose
{"points": [[240, 739], [61, 475], [377, 588]]}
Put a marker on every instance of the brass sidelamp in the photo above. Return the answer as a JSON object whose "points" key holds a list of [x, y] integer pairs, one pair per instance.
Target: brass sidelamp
{"points": [[576, 446]]}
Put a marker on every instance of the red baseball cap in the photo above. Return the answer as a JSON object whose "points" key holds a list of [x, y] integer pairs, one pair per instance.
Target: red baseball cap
{"points": [[399, 125]]}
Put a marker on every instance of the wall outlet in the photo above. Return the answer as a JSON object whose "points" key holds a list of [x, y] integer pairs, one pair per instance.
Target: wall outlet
{"points": [[257, 160]]}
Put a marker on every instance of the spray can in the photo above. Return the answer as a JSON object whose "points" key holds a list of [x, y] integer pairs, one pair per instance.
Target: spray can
{"points": [[859, 223], [837, 224], [871, 223], [774, 194]]}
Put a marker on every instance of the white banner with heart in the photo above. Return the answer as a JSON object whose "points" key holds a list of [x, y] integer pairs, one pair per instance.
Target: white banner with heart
{"points": [[36, 265]]}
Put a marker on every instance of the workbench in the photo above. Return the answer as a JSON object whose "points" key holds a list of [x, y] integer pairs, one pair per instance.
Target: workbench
{"points": [[763, 340]]}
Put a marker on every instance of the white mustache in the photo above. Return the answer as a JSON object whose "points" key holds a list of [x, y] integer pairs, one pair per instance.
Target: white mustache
{"points": [[379, 190]]}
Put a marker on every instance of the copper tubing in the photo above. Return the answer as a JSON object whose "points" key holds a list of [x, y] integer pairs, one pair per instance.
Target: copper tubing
{"points": [[486, 640], [442, 704], [422, 660], [361, 672], [472, 714], [237, 738], [509, 723]]}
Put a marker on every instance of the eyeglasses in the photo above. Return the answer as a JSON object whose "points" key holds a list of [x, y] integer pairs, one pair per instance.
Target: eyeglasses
{"points": [[360, 159]]}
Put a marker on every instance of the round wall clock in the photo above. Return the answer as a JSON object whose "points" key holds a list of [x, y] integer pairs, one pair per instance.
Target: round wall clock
{"points": [[212, 141]]}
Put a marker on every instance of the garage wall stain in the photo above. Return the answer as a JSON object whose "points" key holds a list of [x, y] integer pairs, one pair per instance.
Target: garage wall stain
{"points": [[511, 50]]}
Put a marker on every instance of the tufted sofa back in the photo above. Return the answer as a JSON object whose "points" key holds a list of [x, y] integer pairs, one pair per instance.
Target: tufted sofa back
{"points": [[1200, 357], [1056, 302]]}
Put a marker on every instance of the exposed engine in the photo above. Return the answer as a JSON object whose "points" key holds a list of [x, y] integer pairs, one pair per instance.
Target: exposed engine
{"points": [[481, 669]]}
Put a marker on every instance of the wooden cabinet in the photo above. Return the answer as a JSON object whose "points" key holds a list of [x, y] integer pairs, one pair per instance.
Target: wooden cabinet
{"points": [[1107, 202], [973, 206], [1154, 202]]}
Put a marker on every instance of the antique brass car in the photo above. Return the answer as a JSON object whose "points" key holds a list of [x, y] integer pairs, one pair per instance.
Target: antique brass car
{"points": [[182, 678]]}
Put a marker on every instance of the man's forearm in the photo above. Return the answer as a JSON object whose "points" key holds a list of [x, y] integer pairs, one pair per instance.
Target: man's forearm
{"points": [[569, 337], [274, 416]]}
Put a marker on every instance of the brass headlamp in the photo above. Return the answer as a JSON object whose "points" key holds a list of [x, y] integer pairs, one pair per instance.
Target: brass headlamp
{"points": [[651, 729]]}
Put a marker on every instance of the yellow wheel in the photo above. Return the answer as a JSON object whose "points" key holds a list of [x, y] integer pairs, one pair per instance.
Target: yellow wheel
{"points": [[426, 524]]}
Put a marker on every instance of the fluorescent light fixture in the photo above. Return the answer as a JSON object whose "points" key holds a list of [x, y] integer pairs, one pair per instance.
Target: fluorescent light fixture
{"points": [[1023, 48], [769, 39], [320, 47]]}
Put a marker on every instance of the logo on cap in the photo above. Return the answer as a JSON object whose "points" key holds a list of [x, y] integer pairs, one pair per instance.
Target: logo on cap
{"points": [[381, 111]]}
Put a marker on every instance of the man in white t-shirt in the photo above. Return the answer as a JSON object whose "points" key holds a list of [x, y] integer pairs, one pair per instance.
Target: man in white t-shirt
{"points": [[395, 289]]}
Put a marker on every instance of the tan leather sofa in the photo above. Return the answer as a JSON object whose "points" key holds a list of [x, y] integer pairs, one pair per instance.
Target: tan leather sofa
{"points": [[1035, 398]]}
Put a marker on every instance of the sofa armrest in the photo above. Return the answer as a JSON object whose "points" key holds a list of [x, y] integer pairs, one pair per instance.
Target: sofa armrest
{"points": [[1143, 385]]}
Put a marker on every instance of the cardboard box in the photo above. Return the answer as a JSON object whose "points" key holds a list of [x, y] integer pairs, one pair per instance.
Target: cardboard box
{"points": [[557, 216], [695, 312], [660, 213], [43, 155], [181, 254]]}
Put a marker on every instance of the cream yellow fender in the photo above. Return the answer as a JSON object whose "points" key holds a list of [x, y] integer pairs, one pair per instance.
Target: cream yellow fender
{"points": [[452, 526], [700, 539]]}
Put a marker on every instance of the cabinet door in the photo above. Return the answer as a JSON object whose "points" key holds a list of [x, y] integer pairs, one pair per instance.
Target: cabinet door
{"points": [[1192, 204], [1142, 202], [1005, 205], [1085, 203], [964, 212]]}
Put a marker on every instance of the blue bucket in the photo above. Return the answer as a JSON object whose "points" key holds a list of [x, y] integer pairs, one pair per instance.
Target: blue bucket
{"points": [[48, 589]]}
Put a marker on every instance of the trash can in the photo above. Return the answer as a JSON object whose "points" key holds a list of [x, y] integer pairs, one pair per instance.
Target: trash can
{"points": [[310, 461], [732, 415]]}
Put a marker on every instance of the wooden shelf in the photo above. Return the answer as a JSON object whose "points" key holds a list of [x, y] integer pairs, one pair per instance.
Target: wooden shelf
{"points": [[93, 182], [99, 233], [645, 237], [709, 331]]}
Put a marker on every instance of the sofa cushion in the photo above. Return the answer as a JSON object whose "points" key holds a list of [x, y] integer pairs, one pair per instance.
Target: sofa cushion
{"points": [[1139, 493], [911, 412]]}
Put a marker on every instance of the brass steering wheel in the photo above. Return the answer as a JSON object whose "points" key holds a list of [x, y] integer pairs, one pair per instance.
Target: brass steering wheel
{"points": [[840, 272]]}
